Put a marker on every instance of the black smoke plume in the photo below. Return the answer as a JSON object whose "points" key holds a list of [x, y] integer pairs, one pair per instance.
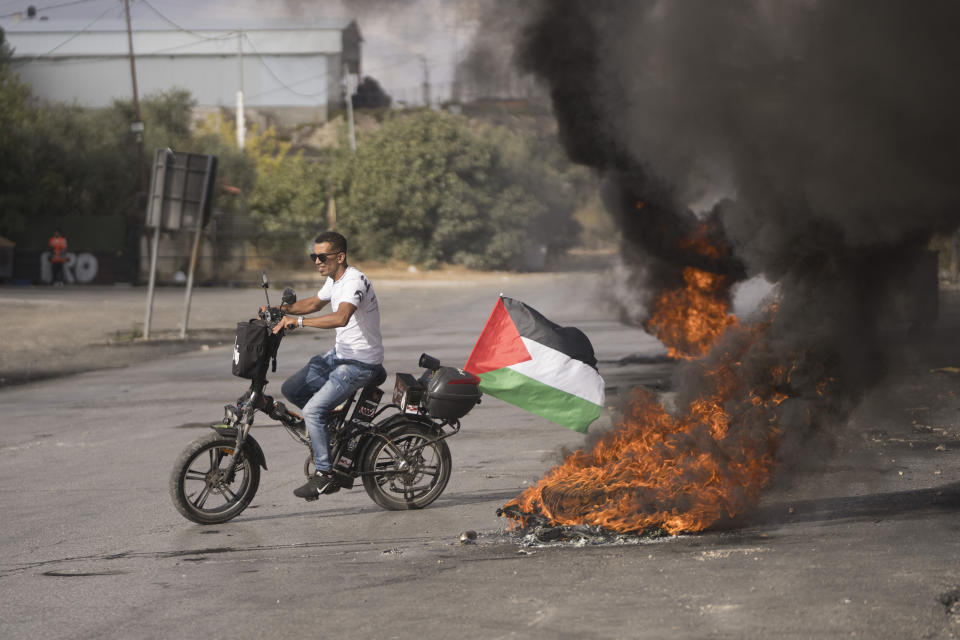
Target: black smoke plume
{"points": [[826, 133], [830, 128]]}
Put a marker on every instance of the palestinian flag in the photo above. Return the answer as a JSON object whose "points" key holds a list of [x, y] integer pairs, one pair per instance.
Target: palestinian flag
{"points": [[528, 361]]}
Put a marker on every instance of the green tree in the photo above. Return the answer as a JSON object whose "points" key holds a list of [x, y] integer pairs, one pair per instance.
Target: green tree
{"points": [[6, 53], [15, 138], [166, 119], [61, 159], [416, 187], [218, 138], [288, 200], [64, 160], [538, 191], [428, 189]]}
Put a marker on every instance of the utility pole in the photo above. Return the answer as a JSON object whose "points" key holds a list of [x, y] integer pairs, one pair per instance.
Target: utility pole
{"points": [[133, 230], [426, 81], [241, 119], [455, 88], [137, 125], [347, 80]]}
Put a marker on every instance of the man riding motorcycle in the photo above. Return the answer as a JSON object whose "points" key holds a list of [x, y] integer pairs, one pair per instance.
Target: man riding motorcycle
{"points": [[357, 357]]}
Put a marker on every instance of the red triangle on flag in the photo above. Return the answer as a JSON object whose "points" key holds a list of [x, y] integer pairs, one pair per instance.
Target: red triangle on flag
{"points": [[499, 344]]}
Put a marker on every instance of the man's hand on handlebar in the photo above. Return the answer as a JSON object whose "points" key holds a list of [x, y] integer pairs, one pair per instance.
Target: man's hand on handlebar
{"points": [[286, 322], [275, 310], [276, 318]]}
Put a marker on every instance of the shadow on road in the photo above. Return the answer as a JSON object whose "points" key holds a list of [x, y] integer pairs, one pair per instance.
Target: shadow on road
{"points": [[444, 502], [877, 506]]}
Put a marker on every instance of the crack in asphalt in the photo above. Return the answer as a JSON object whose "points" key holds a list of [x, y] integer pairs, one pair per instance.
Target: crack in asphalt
{"points": [[164, 555], [82, 574]]}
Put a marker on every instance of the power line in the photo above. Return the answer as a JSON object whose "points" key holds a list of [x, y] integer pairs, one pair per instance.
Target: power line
{"points": [[47, 8], [64, 61], [226, 36], [288, 86], [201, 38], [84, 29], [292, 84], [276, 77], [195, 34], [178, 27]]}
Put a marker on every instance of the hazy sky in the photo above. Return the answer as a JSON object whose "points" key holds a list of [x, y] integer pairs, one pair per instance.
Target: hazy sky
{"points": [[397, 33]]}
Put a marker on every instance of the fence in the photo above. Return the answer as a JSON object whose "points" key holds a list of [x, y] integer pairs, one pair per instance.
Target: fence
{"points": [[232, 252]]}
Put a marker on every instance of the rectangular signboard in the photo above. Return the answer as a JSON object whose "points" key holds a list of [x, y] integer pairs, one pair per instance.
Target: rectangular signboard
{"points": [[181, 190]]}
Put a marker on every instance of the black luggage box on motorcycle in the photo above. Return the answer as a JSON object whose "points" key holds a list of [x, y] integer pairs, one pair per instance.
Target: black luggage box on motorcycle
{"points": [[451, 393]]}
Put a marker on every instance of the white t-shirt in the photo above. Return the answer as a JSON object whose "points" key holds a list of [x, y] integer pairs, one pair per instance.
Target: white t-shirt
{"points": [[360, 340]]}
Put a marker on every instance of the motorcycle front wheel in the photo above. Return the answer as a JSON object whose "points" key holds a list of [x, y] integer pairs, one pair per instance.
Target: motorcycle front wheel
{"points": [[199, 486], [411, 468]]}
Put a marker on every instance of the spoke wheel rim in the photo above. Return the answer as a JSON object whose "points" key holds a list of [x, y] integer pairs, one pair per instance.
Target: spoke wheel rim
{"points": [[204, 480], [413, 475]]}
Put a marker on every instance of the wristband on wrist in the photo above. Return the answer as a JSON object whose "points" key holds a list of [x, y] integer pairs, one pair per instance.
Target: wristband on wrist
{"points": [[299, 321]]}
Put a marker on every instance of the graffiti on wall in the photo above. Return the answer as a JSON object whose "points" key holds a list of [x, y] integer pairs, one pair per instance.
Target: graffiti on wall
{"points": [[79, 267]]}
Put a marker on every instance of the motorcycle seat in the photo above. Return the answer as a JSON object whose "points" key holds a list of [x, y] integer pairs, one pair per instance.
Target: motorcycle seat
{"points": [[379, 377]]}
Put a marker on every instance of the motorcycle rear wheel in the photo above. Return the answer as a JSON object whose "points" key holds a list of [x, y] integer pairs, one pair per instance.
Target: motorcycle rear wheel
{"points": [[407, 480], [198, 484]]}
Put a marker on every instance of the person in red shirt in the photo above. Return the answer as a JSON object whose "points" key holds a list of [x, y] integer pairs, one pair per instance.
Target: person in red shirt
{"points": [[58, 256]]}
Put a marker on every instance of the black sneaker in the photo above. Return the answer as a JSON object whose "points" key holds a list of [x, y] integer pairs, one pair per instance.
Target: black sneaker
{"points": [[321, 483]]}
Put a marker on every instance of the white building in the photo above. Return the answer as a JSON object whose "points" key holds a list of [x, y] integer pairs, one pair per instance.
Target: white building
{"points": [[290, 72]]}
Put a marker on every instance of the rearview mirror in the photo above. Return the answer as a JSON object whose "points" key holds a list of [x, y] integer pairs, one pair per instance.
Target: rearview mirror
{"points": [[263, 279]]}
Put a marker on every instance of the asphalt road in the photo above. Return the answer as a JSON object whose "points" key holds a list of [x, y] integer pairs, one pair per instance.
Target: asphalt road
{"points": [[863, 544]]}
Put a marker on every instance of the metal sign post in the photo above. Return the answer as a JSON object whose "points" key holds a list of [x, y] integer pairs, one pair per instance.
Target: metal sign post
{"points": [[180, 198], [154, 248], [158, 187], [205, 196]]}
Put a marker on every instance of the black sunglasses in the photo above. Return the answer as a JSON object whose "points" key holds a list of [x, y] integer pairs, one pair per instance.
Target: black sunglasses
{"points": [[322, 257]]}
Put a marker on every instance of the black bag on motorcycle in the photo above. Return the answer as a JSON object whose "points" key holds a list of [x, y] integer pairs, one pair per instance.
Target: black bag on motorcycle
{"points": [[251, 349]]}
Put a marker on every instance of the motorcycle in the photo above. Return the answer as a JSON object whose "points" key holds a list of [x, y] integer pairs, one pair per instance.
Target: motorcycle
{"points": [[398, 451]]}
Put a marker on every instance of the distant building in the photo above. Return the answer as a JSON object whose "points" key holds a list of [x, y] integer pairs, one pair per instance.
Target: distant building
{"points": [[293, 72]]}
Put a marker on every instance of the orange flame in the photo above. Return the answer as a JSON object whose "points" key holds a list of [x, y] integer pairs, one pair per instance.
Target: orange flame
{"points": [[679, 472], [690, 320]]}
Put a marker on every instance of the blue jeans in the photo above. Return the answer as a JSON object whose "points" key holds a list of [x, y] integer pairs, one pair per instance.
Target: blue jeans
{"points": [[318, 388]]}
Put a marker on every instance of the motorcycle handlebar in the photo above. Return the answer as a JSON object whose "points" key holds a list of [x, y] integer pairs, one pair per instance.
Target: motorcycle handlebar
{"points": [[271, 315]]}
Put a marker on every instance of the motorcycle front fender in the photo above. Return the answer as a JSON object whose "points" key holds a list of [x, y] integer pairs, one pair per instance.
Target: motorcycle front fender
{"points": [[250, 444]]}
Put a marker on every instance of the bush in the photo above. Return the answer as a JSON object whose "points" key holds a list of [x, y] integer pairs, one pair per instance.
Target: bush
{"points": [[60, 160], [428, 189], [289, 198]]}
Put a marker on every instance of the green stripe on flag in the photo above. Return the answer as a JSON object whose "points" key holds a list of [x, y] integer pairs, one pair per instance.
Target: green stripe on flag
{"points": [[547, 402]]}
